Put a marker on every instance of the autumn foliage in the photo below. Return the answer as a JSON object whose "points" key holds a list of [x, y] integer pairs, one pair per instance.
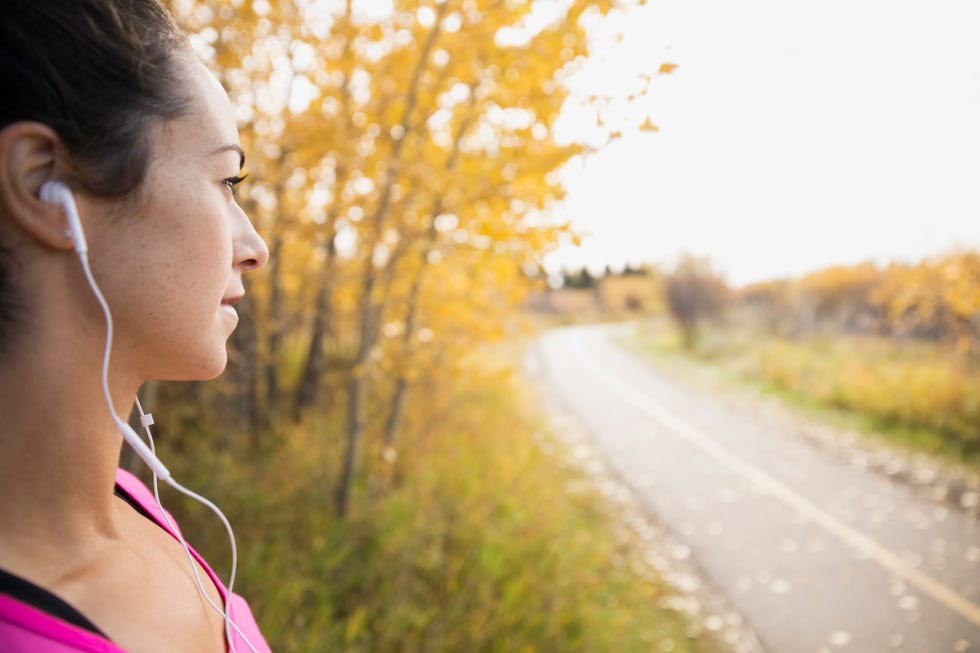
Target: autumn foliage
{"points": [[401, 164], [898, 344], [937, 299]]}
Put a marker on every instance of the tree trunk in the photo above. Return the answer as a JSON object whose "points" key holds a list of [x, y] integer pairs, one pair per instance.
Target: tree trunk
{"points": [[246, 402], [357, 388], [356, 396], [313, 367], [393, 423], [274, 339]]}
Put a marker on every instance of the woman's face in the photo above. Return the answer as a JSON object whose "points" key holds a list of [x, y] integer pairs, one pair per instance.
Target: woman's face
{"points": [[172, 266]]}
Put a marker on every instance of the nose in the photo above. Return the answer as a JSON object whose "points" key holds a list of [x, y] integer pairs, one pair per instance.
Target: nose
{"points": [[249, 251]]}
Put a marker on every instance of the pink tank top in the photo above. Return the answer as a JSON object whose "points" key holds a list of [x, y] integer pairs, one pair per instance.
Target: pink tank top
{"points": [[26, 629]]}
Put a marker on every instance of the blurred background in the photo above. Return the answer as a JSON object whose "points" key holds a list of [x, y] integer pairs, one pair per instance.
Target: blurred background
{"points": [[783, 191]]}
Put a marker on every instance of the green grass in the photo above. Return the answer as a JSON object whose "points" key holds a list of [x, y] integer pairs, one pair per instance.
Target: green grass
{"points": [[917, 396], [470, 542]]}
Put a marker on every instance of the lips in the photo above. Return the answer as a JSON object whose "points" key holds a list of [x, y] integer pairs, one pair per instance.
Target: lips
{"points": [[227, 306]]}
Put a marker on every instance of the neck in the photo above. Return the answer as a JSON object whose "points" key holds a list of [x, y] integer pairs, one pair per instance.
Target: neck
{"points": [[60, 445]]}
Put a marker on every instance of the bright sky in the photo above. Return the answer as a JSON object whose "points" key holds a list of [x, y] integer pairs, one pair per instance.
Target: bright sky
{"points": [[794, 135]]}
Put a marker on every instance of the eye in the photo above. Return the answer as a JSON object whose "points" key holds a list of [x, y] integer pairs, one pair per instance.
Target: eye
{"points": [[232, 183]]}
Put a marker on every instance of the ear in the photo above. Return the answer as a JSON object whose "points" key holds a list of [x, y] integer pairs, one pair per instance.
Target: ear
{"points": [[29, 154]]}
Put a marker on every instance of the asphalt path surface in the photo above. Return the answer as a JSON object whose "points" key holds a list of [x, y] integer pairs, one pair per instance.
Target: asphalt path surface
{"points": [[818, 555]]}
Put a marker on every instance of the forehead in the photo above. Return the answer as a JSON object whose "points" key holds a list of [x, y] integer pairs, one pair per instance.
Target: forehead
{"points": [[210, 123]]}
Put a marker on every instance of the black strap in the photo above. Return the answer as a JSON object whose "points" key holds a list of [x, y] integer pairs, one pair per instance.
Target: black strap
{"points": [[27, 592], [125, 496]]}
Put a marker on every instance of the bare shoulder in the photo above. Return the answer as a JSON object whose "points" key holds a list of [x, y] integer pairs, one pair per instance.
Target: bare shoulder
{"points": [[141, 592]]}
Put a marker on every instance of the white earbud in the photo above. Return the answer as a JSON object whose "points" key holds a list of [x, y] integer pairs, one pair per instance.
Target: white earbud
{"points": [[57, 193]]}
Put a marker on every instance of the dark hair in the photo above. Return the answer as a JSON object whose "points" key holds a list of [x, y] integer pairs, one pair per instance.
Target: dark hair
{"points": [[99, 73]]}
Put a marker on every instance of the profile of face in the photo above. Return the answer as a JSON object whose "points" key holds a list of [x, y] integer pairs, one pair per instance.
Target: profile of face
{"points": [[170, 257]]}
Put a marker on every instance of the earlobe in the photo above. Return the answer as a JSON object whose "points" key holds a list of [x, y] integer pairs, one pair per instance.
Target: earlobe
{"points": [[29, 154]]}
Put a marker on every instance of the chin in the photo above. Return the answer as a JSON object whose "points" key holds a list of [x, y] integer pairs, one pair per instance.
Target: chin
{"points": [[215, 367]]}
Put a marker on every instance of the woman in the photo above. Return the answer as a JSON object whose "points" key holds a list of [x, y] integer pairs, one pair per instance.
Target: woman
{"points": [[106, 97]]}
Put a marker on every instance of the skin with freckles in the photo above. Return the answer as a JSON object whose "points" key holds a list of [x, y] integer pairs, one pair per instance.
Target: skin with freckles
{"points": [[170, 260]]}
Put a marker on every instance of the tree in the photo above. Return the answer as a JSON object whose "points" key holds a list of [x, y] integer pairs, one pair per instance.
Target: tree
{"points": [[937, 299], [694, 293], [401, 167]]}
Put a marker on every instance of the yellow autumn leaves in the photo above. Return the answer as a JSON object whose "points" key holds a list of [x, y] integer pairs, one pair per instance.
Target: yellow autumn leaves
{"points": [[402, 169], [935, 299]]}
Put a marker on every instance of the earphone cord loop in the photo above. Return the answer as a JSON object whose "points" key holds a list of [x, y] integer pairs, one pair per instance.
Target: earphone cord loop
{"points": [[146, 420]]}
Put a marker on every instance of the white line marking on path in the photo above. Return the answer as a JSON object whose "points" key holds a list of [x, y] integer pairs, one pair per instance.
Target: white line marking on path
{"points": [[777, 490]]}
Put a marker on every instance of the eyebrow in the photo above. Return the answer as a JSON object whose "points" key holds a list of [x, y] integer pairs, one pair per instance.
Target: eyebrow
{"points": [[232, 148]]}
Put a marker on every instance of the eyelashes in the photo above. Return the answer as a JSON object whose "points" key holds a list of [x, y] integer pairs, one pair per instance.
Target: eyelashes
{"points": [[232, 183]]}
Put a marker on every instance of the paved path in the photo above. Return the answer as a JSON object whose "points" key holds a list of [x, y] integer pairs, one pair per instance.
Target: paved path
{"points": [[818, 555]]}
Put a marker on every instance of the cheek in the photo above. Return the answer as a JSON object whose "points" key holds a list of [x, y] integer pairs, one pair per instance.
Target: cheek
{"points": [[206, 235], [194, 260]]}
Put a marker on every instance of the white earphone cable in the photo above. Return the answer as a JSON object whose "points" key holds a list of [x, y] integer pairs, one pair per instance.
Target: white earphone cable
{"points": [[147, 420], [229, 624]]}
